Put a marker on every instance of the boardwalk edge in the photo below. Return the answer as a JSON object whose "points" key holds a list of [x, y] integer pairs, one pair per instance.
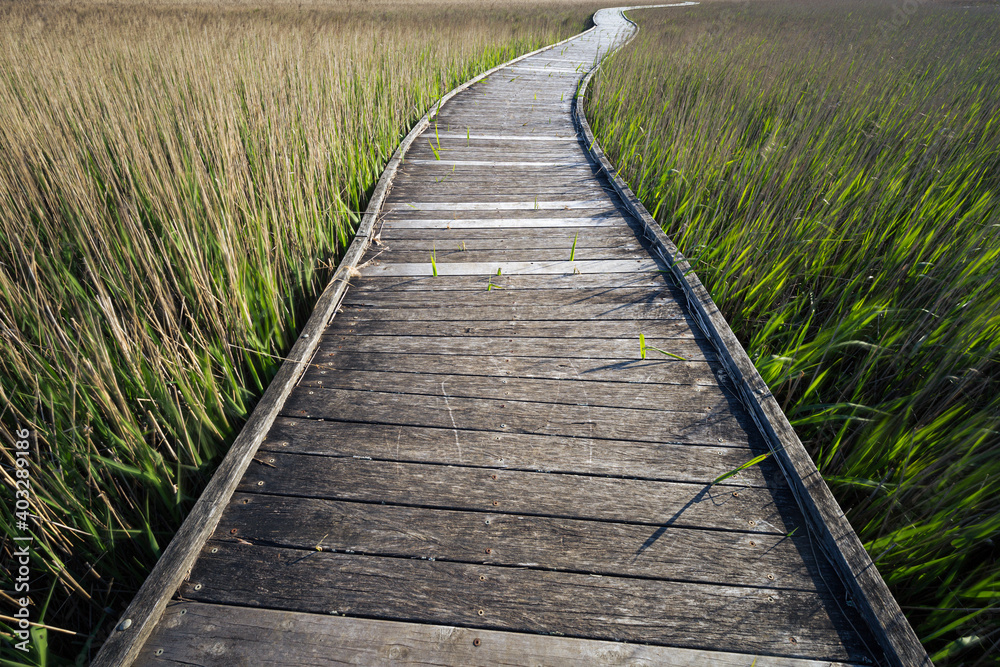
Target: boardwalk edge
{"points": [[829, 525], [144, 612]]}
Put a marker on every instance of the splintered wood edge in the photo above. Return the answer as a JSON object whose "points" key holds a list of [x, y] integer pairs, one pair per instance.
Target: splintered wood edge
{"points": [[143, 613], [830, 526]]}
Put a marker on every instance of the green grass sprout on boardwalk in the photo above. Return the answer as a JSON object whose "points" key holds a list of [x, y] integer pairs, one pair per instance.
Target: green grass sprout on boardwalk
{"points": [[643, 348], [836, 186], [757, 460], [572, 250], [177, 184], [434, 266]]}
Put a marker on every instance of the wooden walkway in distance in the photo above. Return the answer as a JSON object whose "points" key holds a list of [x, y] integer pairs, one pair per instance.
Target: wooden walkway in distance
{"points": [[478, 468]]}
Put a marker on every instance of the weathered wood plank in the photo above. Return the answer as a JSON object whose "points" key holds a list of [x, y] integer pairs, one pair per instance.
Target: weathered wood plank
{"points": [[615, 458], [677, 554], [561, 241], [195, 633], [503, 255], [531, 238], [412, 176], [568, 312], [653, 329], [508, 282], [632, 370], [694, 398], [582, 222], [572, 496], [522, 346], [496, 205], [442, 191], [604, 296], [611, 608], [672, 424]]}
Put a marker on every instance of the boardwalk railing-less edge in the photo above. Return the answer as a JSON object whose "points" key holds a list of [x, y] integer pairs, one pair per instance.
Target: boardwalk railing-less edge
{"points": [[471, 463]]}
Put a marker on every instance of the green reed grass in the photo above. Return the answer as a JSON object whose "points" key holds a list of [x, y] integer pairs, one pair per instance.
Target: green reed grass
{"points": [[177, 183], [837, 189]]}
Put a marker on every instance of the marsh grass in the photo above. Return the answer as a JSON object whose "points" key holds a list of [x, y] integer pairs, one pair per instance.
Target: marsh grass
{"points": [[177, 183], [838, 192]]}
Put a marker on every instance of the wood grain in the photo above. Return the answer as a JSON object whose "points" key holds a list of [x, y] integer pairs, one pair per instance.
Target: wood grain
{"points": [[677, 554], [633, 396], [698, 464], [572, 496], [523, 346], [659, 330], [195, 633], [632, 370], [690, 615], [514, 416]]}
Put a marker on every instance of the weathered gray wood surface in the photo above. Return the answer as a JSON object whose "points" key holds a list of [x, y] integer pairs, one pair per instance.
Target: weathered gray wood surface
{"points": [[524, 600], [732, 507], [222, 636], [524, 541], [483, 455], [613, 458]]}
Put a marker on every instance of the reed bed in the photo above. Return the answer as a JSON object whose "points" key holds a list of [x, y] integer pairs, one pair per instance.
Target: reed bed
{"points": [[834, 178], [177, 182]]}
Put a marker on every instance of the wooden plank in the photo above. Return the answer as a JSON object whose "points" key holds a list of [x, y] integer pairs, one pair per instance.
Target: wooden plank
{"points": [[443, 190], [414, 176], [559, 240], [572, 496], [612, 370], [502, 164], [512, 313], [194, 633], [480, 269], [540, 205], [523, 346], [615, 458], [468, 255], [507, 282], [658, 329], [501, 138], [603, 296], [531, 238], [416, 222], [672, 424], [676, 554], [691, 615], [694, 398], [494, 139], [869, 592]]}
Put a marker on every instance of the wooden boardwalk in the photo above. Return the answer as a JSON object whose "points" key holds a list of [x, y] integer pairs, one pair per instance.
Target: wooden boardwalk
{"points": [[477, 467]]}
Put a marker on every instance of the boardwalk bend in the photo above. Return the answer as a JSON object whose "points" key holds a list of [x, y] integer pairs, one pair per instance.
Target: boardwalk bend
{"points": [[477, 467]]}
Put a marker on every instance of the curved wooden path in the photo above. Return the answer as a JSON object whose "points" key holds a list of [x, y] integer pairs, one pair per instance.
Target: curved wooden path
{"points": [[477, 467]]}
